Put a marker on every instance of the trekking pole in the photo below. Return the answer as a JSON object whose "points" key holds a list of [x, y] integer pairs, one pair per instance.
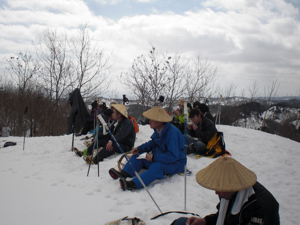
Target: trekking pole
{"points": [[123, 153], [95, 140], [25, 112], [73, 127], [185, 122], [97, 132], [219, 112]]}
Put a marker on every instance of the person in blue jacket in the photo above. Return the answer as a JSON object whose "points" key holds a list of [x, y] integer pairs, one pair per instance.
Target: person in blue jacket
{"points": [[164, 154]]}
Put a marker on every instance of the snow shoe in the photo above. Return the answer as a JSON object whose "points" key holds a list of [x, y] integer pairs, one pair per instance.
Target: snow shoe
{"points": [[87, 143], [188, 173], [86, 138], [126, 220], [77, 152], [89, 160]]}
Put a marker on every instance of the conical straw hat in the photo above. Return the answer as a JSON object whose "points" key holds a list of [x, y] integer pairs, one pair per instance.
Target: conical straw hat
{"points": [[121, 108], [181, 102], [112, 103], [158, 114], [226, 174]]}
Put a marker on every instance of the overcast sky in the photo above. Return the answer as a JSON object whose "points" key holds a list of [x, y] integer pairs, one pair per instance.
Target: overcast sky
{"points": [[246, 40]]}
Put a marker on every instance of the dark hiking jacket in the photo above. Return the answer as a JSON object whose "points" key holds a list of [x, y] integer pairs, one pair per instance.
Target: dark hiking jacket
{"points": [[261, 208], [209, 116], [206, 130], [78, 113], [124, 132]]}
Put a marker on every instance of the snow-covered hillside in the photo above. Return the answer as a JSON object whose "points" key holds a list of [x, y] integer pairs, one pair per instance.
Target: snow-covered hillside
{"points": [[47, 184], [275, 113]]}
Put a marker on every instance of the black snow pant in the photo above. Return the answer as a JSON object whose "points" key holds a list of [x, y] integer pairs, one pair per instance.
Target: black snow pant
{"points": [[102, 154]]}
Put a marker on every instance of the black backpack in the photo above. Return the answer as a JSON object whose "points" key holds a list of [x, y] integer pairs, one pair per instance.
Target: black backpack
{"points": [[9, 143]]}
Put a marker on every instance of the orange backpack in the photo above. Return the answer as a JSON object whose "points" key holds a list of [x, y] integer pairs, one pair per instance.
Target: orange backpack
{"points": [[136, 126]]}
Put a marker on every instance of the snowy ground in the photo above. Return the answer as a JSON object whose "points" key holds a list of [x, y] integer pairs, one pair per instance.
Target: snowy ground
{"points": [[48, 184]]}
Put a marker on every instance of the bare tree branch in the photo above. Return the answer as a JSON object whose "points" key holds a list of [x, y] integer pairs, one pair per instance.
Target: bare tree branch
{"points": [[253, 90], [200, 83], [91, 64]]}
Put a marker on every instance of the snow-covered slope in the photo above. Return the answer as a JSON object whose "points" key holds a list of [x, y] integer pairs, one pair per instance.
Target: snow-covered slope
{"points": [[47, 184]]}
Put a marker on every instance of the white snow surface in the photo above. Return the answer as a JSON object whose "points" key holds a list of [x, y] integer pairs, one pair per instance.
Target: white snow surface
{"points": [[48, 184]]}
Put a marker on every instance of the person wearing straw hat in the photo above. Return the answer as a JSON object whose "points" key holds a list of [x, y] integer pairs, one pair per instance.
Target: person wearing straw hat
{"points": [[179, 119], [163, 155], [243, 200], [122, 129]]}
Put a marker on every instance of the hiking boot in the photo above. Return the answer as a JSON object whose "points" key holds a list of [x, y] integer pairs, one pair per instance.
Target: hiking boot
{"points": [[77, 152], [89, 160], [127, 185], [116, 174], [191, 149]]}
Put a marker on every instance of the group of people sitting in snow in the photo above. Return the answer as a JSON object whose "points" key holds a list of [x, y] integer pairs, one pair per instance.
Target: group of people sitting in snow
{"points": [[243, 200]]}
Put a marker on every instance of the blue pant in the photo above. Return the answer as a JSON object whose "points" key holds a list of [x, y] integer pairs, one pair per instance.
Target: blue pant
{"points": [[199, 145], [156, 170], [180, 221]]}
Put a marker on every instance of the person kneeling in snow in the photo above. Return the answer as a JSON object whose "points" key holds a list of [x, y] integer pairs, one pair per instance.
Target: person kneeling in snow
{"points": [[243, 200], [166, 153]]}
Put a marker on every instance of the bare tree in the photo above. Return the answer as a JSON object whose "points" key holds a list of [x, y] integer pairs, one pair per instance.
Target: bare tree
{"points": [[91, 64], [201, 80], [253, 90], [178, 70], [147, 77], [228, 92], [57, 67], [243, 95], [23, 69], [57, 71], [270, 93]]}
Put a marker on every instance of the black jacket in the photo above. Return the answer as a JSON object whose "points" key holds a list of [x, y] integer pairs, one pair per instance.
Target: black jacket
{"points": [[78, 113], [261, 208], [206, 130], [209, 116], [124, 132]]}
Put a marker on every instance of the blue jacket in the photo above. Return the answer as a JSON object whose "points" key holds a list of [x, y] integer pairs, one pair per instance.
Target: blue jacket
{"points": [[167, 148]]}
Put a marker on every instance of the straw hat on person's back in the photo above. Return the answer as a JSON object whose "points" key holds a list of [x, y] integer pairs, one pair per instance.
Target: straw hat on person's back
{"points": [[121, 109], [157, 114], [226, 174]]}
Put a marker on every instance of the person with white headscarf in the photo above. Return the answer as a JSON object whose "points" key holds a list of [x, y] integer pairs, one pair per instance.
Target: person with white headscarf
{"points": [[243, 200]]}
